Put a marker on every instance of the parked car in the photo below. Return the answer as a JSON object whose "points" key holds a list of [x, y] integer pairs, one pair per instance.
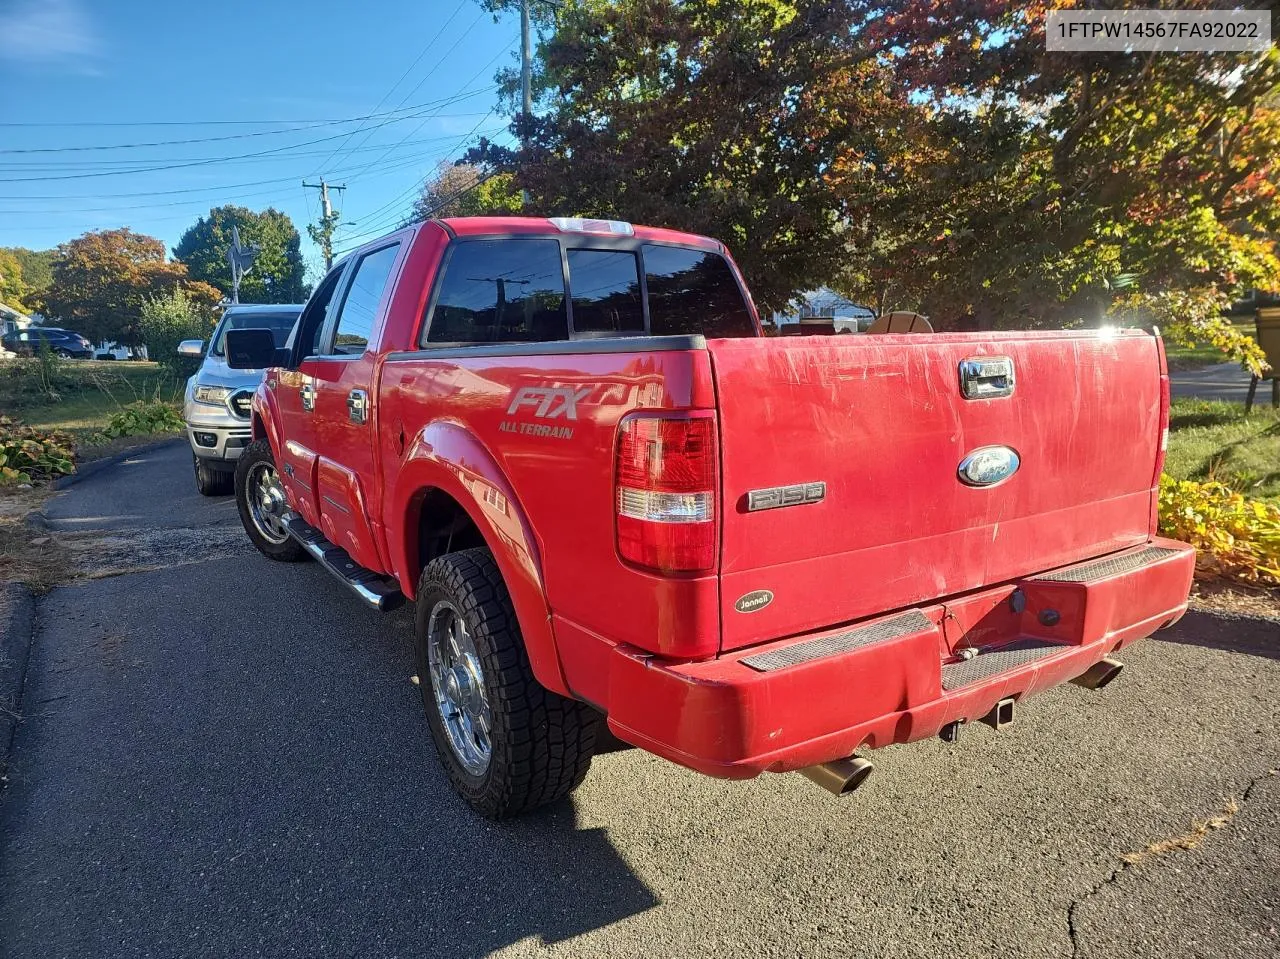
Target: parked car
{"points": [[613, 501], [65, 343], [216, 405]]}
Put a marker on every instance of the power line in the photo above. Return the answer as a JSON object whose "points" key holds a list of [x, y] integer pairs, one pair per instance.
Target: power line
{"points": [[398, 197], [242, 136], [430, 43], [218, 192], [420, 125], [190, 163], [380, 227], [18, 166], [167, 123], [439, 206]]}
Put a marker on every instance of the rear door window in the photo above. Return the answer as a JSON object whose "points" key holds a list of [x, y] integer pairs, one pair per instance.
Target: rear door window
{"points": [[605, 287], [501, 291], [693, 291]]}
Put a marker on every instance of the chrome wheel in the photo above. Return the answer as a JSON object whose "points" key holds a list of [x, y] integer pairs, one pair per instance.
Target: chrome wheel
{"points": [[457, 683], [267, 505]]}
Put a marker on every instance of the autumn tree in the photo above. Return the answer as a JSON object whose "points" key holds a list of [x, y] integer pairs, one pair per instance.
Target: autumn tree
{"points": [[1055, 188], [465, 189], [100, 280], [278, 272], [13, 287], [717, 118], [923, 154], [24, 276], [36, 267]]}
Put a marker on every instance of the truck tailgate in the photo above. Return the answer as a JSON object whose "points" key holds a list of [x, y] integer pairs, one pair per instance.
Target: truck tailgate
{"points": [[881, 421]]}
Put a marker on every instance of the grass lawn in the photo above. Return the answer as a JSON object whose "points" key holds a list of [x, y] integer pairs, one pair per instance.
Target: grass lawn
{"points": [[1194, 357], [88, 391], [1209, 439]]}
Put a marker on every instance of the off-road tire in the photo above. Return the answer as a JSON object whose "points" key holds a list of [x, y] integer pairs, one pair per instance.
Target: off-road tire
{"points": [[542, 743], [211, 481], [290, 551]]}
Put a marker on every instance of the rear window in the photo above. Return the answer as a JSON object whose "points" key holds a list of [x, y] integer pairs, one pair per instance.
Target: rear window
{"points": [[693, 291], [278, 323], [606, 292], [513, 291], [501, 291]]}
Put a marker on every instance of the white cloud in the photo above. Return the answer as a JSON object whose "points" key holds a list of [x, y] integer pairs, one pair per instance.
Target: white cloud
{"points": [[46, 31]]}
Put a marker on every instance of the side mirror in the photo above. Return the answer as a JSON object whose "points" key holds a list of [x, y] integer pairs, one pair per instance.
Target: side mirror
{"points": [[252, 349], [191, 348]]}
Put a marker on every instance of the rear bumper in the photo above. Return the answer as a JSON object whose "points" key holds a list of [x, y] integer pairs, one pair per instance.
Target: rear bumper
{"points": [[806, 700]]}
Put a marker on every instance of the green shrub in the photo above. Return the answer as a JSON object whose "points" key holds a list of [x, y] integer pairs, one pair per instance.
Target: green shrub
{"points": [[30, 455], [167, 321], [144, 416], [1235, 537]]}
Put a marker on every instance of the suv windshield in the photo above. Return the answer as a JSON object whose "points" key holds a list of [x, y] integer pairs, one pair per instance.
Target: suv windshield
{"points": [[278, 323]]}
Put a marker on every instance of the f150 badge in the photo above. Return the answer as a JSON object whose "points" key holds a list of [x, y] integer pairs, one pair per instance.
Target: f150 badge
{"points": [[988, 465]]}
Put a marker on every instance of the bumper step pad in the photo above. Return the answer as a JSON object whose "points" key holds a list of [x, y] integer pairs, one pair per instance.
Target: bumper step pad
{"points": [[985, 664], [1104, 568], [909, 622], [380, 592]]}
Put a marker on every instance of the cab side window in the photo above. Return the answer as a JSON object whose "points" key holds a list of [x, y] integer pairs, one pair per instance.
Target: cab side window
{"points": [[360, 304], [501, 291]]}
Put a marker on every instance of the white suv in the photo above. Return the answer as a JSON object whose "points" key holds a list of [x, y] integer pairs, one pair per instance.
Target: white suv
{"points": [[218, 400]]}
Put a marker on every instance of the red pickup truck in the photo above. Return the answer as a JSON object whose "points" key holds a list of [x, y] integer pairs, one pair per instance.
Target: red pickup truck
{"points": [[614, 501]]}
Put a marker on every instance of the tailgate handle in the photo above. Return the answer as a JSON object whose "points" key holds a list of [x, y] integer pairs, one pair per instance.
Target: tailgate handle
{"points": [[986, 377]]}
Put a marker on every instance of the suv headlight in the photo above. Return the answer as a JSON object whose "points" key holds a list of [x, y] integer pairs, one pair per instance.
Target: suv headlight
{"points": [[211, 395]]}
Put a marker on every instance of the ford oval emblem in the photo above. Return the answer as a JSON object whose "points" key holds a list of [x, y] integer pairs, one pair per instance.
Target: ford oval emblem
{"points": [[753, 601], [988, 466]]}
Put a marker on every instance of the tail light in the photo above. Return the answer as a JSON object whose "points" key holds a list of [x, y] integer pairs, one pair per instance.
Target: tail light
{"points": [[1164, 407], [1163, 448], [666, 492], [1164, 428]]}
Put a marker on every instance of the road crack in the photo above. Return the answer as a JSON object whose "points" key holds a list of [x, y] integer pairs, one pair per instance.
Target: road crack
{"points": [[1199, 831]]}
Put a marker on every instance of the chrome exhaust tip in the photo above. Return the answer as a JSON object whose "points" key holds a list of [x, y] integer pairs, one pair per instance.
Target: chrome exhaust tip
{"points": [[1001, 714], [841, 776], [1099, 674]]}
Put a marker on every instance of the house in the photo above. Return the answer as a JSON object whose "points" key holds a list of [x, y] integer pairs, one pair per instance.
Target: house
{"points": [[823, 311], [12, 320]]}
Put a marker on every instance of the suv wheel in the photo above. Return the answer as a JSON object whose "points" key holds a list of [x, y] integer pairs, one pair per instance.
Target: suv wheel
{"points": [[211, 481], [507, 744], [261, 502]]}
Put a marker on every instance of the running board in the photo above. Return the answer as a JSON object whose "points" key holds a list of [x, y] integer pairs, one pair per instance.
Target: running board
{"points": [[380, 592]]}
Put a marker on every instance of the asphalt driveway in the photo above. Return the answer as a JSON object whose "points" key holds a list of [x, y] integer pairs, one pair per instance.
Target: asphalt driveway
{"points": [[1221, 381], [222, 756]]}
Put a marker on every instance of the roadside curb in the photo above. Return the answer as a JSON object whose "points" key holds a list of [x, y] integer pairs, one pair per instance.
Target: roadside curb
{"points": [[15, 651], [97, 466]]}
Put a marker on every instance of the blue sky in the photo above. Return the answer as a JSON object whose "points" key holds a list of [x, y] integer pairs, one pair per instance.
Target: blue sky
{"points": [[279, 70]]}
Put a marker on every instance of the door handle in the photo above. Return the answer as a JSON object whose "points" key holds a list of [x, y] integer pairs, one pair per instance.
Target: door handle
{"points": [[986, 377], [358, 406], [308, 394]]}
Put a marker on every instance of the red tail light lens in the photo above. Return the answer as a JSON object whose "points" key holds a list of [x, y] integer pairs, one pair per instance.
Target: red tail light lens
{"points": [[666, 483], [1164, 428]]}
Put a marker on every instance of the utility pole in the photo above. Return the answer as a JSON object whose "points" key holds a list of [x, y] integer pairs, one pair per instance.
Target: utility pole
{"points": [[526, 72], [322, 233], [526, 86]]}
